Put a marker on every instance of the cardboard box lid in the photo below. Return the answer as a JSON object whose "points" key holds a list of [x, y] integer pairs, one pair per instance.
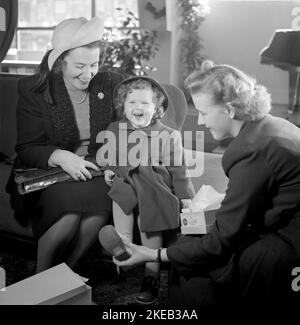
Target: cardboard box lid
{"points": [[46, 288]]}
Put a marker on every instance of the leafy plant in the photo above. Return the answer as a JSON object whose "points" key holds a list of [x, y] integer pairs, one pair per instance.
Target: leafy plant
{"points": [[129, 49], [192, 13]]}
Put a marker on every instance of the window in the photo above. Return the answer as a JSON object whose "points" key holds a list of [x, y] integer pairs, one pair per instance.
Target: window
{"points": [[115, 11], [37, 19]]}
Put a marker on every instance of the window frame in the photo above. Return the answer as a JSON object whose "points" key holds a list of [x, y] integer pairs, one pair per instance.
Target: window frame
{"points": [[49, 28]]}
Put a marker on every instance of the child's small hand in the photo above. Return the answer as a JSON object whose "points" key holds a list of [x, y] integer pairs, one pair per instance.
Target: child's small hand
{"points": [[109, 177], [185, 203]]}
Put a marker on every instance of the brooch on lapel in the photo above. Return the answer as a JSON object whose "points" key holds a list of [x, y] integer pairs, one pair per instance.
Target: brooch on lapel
{"points": [[100, 95]]}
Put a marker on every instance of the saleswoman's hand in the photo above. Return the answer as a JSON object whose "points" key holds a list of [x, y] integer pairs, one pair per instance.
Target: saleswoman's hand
{"points": [[72, 164], [138, 255]]}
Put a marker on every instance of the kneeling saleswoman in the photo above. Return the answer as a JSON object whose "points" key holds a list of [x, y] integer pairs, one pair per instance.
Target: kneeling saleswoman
{"points": [[249, 255]]}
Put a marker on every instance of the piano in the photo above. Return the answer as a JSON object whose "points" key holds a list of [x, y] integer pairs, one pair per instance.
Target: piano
{"points": [[283, 52]]}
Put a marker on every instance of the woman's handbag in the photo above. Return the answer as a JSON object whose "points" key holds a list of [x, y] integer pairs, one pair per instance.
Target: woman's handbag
{"points": [[34, 179]]}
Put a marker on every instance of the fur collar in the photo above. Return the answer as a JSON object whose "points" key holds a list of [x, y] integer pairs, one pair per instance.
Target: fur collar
{"points": [[63, 116]]}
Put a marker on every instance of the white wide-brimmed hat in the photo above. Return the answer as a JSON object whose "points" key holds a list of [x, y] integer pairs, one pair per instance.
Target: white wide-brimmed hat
{"points": [[72, 33]]}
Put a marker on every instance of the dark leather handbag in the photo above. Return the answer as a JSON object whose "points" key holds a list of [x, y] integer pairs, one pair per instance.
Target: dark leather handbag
{"points": [[34, 179]]}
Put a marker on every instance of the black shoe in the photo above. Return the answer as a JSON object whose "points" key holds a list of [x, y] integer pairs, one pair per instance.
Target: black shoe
{"points": [[149, 291]]}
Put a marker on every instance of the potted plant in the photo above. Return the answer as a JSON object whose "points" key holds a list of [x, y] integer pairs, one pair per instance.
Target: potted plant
{"points": [[192, 13], [129, 48]]}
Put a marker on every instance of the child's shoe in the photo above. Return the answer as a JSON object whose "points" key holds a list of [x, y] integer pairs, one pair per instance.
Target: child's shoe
{"points": [[149, 291]]}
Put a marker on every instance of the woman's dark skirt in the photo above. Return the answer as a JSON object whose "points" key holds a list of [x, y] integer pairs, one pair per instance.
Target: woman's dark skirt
{"points": [[80, 197]]}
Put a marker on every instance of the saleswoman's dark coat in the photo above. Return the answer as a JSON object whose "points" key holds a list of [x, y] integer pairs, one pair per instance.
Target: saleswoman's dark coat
{"points": [[261, 209]]}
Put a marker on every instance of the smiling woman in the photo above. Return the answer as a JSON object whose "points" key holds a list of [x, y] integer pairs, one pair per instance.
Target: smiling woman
{"points": [[225, 98], [215, 117], [59, 115], [80, 66]]}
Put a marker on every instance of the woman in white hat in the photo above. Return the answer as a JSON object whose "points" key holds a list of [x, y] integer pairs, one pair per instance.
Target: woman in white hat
{"points": [[60, 111]]}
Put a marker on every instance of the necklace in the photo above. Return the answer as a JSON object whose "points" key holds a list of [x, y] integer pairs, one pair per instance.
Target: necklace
{"points": [[81, 100]]}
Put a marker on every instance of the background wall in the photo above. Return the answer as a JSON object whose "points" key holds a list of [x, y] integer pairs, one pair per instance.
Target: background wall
{"points": [[162, 60], [236, 31]]}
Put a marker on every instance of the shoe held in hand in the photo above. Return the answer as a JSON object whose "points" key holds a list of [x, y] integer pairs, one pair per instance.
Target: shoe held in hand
{"points": [[112, 242]]}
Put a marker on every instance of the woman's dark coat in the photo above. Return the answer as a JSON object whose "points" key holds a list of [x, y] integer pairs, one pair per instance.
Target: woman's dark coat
{"points": [[46, 122]]}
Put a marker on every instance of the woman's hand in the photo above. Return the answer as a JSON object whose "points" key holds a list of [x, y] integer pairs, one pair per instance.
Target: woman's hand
{"points": [[73, 164], [138, 255], [109, 177]]}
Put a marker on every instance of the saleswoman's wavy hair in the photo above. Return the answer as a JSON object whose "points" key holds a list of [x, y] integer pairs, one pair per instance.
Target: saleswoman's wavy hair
{"points": [[229, 86]]}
